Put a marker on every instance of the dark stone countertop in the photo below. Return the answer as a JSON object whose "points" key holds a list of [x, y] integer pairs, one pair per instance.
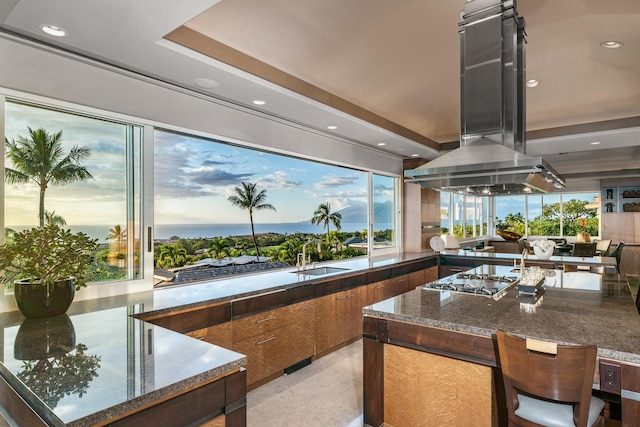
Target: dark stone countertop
{"points": [[576, 308], [227, 289], [84, 369]]}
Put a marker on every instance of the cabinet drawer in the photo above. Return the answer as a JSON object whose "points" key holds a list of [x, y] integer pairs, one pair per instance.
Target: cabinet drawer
{"points": [[301, 313], [275, 350], [258, 324], [298, 313]]}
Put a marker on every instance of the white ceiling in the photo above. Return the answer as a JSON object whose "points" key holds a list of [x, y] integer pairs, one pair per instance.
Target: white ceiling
{"points": [[398, 62]]}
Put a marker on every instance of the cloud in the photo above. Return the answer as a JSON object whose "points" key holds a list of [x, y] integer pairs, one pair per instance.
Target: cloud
{"points": [[277, 181], [332, 181]]}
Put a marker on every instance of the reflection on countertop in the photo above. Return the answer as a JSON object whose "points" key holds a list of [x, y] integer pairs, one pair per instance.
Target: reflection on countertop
{"points": [[84, 369]]}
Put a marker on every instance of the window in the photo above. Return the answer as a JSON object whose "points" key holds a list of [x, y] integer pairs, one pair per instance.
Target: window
{"points": [[527, 215], [105, 204], [549, 214], [194, 218], [464, 216], [384, 207]]}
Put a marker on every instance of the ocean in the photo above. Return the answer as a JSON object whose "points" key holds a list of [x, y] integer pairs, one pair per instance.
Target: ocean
{"points": [[192, 231]]}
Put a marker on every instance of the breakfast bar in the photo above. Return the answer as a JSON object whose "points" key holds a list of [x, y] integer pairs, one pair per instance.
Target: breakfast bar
{"points": [[430, 353]]}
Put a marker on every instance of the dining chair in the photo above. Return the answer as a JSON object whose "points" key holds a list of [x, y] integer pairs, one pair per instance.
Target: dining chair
{"points": [[548, 384], [602, 247], [617, 254], [584, 249]]}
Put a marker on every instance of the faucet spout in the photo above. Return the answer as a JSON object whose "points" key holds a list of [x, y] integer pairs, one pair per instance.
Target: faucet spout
{"points": [[524, 253], [304, 252]]}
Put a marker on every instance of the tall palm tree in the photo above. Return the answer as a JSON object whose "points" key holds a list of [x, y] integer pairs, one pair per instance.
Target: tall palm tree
{"points": [[324, 216], [249, 198], [52, 218], [41, 159], [118, 234]]}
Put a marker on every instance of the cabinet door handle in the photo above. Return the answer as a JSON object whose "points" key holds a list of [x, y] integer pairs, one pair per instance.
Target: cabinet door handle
{"points": [[304, 307], [349, 296], [340, 298], [400, 280], [264, 341], [379, 287], [265, 320]]}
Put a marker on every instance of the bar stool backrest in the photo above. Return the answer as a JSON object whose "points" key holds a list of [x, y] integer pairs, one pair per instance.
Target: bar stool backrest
{"points": [[546, 370]]}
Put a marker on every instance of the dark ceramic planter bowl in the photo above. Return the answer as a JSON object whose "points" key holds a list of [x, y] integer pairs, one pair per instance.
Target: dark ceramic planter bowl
{"points": [[39, 339], [37, 301]]}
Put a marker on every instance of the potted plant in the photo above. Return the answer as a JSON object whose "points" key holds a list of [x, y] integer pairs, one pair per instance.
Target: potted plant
{"points": [[47, 265]]}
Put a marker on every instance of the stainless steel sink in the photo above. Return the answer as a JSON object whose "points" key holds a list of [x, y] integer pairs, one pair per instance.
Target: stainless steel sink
{"points": [[319, 271]]}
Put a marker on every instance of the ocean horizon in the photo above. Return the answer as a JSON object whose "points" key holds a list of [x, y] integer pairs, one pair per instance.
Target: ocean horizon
{"points": [[194, 231]]}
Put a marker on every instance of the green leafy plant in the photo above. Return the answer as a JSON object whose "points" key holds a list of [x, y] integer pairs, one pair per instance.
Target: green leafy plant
{"points": [[45, 255]]}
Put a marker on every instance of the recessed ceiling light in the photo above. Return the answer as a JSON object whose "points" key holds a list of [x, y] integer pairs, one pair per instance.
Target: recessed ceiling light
{"points": [[206, 83], [595, 143], [532, 83], [332, 127], [381, 144], [52, 30], [259, 101], [415, 155], [612, 44]]}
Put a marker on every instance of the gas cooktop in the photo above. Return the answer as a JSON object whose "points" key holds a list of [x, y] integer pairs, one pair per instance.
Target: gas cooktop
{"points": [[490, 285]]}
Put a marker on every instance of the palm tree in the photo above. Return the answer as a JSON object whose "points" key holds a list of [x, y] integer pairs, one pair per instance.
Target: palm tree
{"points": [[324, 216], [172, 256], [52, 218], [218, 247], [40, 158], [118, 234], [249, 198]]}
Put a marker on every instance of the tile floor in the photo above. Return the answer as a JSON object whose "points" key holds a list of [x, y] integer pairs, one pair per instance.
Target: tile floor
{"points": [[326, 393]]}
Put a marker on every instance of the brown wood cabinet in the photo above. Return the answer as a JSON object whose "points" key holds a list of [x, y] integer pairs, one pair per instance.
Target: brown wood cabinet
{"points": [[339, 318], [328, 315], [276, 339]]}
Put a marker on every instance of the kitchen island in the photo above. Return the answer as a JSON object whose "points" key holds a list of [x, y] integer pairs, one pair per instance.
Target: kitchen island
{"points": [[430, 358]]}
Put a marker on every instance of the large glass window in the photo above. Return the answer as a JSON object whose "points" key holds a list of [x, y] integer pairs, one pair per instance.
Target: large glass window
{"points": [[103, 203], [384, 207], [198, 179], [549, 214], [464, 216]]}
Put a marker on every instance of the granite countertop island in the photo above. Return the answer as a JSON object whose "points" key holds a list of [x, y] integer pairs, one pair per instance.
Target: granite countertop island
{"points": [[430, 349], [577, 308]]}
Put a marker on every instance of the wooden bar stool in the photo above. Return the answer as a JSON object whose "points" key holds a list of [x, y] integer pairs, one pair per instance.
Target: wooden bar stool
{"points": [[547, 384]]}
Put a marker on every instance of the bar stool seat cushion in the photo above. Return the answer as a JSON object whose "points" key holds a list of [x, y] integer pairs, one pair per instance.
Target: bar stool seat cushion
{"points": [[553, 414]]}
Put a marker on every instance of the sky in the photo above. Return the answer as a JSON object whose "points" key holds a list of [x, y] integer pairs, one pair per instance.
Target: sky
{"points": [[193, 177]]}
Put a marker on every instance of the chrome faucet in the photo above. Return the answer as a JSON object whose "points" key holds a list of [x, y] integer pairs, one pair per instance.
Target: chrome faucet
{"points": [[303, 255], [524, 252]]}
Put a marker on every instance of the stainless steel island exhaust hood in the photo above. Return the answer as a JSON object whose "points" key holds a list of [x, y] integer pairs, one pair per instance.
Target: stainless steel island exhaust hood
{"points": [[492, 157]]}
